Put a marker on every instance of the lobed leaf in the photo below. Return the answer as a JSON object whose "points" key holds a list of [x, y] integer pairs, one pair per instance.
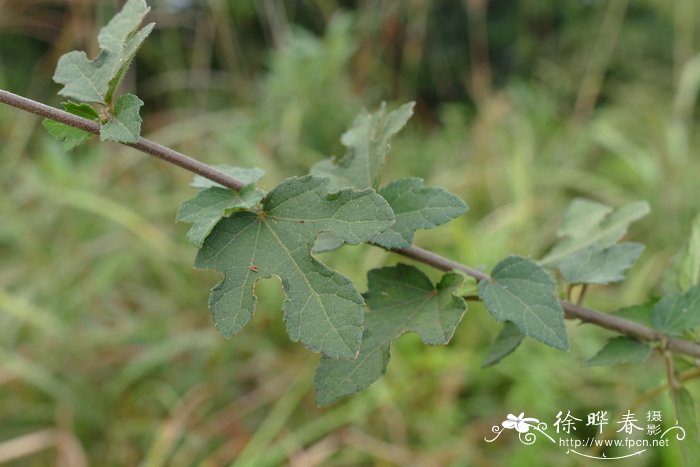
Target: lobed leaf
{"points": [[368, 144], [96, 80], [400, 299], [677, 313], [522, 292], [600, 265], [206, 209], [323, 309], [586, 224], [416, 207], [125, 126], [619, 350]]}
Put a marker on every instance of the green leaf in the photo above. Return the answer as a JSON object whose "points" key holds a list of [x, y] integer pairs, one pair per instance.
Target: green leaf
{"points": [[211, 205], [368, 144], [621, 350], [416, 207], [81, 110], [400, 299], [600, 265], [245, 175], [69, 136], [690, 265], [125, 126], [522, 292], [507, 341], [686, 418], [641, 314], [677, 313], [323, 309], [587, 223], [96, 80]]}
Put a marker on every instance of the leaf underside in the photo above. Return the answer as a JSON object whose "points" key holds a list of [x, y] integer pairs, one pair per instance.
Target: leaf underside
{"points": [[96, 80], [400, 299], [323, 309]]}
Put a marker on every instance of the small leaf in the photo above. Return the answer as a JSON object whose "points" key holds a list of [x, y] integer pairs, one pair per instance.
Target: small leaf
{"points": [[211, 205], [400, 299], [522, 292], [686, 418], [70, 137], [587, 223], [677, 313], [600, 265], [125, 127], [416, 207], [323, 309], [245, 175], [621, 350], [96, 80], [507, 341], [690, 265], [368, 144], [81, 110], [641, 314]]}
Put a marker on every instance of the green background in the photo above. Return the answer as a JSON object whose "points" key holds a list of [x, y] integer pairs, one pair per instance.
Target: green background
{"points": [[107, 351]]}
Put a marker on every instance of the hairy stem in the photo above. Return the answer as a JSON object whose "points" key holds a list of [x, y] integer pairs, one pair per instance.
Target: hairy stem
{"points": [[571, 310]]}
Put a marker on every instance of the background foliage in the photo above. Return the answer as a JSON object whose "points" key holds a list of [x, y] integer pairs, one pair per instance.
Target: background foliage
{"points": [[106, 346]]}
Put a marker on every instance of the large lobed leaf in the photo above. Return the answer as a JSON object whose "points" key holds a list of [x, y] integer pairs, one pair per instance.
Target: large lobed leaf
{"points": [[323, 309], [368, 144], [522, 292], [400, 299], [96, 80]]}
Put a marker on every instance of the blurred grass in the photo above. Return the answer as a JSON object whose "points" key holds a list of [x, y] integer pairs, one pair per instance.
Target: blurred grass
{"points": [[107, 353]]}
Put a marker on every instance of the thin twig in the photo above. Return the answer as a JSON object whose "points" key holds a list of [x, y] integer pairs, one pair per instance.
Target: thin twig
{"points": [[143, 145], [604, 320]]}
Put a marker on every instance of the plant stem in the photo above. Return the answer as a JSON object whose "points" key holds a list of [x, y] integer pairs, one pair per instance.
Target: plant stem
{"points": [[143, 145], [573, 311]]}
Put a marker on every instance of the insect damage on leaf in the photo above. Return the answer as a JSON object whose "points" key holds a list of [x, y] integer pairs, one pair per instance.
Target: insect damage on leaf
{"points": [[323, 308]]}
